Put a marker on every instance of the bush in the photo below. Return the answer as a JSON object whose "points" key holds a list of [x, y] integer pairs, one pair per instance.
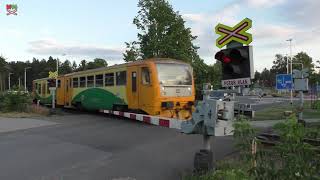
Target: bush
{"points": [[15, 101], [290, 158], [317, 105]]}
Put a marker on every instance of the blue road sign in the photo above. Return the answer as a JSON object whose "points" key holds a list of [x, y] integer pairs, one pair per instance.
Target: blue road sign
{"points": [[284, 81]]}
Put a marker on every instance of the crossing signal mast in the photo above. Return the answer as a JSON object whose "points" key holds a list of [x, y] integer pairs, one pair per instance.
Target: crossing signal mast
{"points": [[214, 117]]}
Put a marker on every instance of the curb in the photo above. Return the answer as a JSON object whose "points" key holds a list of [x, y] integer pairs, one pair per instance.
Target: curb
{"points": [[154, 120]]}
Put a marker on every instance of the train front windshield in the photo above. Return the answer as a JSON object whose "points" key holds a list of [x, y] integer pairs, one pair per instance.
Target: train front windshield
{"points": [[174, 74]]}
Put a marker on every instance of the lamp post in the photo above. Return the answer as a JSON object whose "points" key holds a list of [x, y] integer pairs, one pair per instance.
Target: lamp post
{"points": [[25, 78], [290, 40], [9, 81]]}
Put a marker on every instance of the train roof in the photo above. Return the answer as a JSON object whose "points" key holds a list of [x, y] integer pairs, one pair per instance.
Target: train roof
{"points": [[164, 60]]}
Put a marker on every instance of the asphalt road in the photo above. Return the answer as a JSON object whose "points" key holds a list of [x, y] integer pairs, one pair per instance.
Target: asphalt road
{"points": [[265, 102], [89, 146]]}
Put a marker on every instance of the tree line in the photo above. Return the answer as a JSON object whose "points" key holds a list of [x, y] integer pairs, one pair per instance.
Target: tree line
{"points": [[267, 77], [40, 69]]}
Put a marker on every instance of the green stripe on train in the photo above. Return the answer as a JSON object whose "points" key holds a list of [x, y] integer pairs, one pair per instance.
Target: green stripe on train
{"points": [[44, 100], [96, 98]]}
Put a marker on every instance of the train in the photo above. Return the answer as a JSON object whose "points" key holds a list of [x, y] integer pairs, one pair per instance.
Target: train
{"points": [[159, 86]]}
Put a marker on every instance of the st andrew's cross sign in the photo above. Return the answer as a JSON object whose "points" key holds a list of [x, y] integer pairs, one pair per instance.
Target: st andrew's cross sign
{"points": [[237, 33]]}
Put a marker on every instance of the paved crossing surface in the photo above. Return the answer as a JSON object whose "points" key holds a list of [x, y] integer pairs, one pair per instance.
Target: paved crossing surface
{"points": [[91, 146]]}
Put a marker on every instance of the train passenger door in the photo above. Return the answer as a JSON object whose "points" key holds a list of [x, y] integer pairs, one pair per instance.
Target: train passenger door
{"points": [[68, 91], [60, 91], [146, 100], [133, 87]]}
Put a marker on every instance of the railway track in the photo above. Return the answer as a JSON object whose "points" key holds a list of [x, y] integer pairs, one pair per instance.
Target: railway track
{"points": [[271, 139]]}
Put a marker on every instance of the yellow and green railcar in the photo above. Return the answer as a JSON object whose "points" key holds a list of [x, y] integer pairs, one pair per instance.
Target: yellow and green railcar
{"points": [[162, 87]]}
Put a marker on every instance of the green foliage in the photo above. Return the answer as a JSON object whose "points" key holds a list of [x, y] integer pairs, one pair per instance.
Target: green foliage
{"points": [[97, 63], [313, 133], [317, 105], [40, 69], [243, 134], [15, 101], [290, 158], [162, 34], [132, 52], [225, 174], [3, 73], [298, 159]]}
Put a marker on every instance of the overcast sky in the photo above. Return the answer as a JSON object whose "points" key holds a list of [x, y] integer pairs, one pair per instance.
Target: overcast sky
{"points": [[89, 29]]}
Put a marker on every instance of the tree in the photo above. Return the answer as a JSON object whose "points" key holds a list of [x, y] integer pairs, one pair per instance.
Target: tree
{"points": [[83, 65], [257, 78], [303, 58], [74, 66], [280, 64], [97, 63], [162, 34], [268, 79], [3, 73], [307, 62], [215, 74], [132, 52], [65, 67]]}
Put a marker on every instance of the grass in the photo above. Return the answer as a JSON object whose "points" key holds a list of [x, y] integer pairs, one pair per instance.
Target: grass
{"points": [[276, 112], [30, 111]]}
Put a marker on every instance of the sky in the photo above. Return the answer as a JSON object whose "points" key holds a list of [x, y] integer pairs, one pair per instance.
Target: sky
{"points": [[77, 30]]}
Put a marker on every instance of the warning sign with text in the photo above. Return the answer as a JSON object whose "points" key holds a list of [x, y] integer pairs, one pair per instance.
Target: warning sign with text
{"points": [[236, 82]]}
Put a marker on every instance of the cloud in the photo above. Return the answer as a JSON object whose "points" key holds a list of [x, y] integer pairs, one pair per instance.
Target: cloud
{"points": [[269, 35], [202, 26], [304, 12], [263, 3], [52, 47], [274, 31]]}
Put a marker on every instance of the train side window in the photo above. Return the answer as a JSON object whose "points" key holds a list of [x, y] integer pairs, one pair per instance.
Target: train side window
{"points": [[109, 79], [39, 88], [99, 80], [82, 81], [59, 83], [145, 76], [67, 86], [36, 87], [90, 81], [75, 82], [134, 81], [121, 78], [47, 85], [43, 88]]}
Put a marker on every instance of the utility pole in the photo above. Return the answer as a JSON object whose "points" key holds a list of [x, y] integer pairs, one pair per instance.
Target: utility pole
{"points": [[25, 78], [9, 81], [19, 83], [290, 40], [287, 63]]}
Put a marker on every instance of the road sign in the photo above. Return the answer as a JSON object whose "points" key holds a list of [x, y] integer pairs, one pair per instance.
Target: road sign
{"points": [[236, 82], [284, 81], [237, 33], [53, 75]]}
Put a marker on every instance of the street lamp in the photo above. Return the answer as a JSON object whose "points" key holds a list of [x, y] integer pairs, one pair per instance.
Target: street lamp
{"points": [[25, 78], [9, 81], [290, 40]]}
